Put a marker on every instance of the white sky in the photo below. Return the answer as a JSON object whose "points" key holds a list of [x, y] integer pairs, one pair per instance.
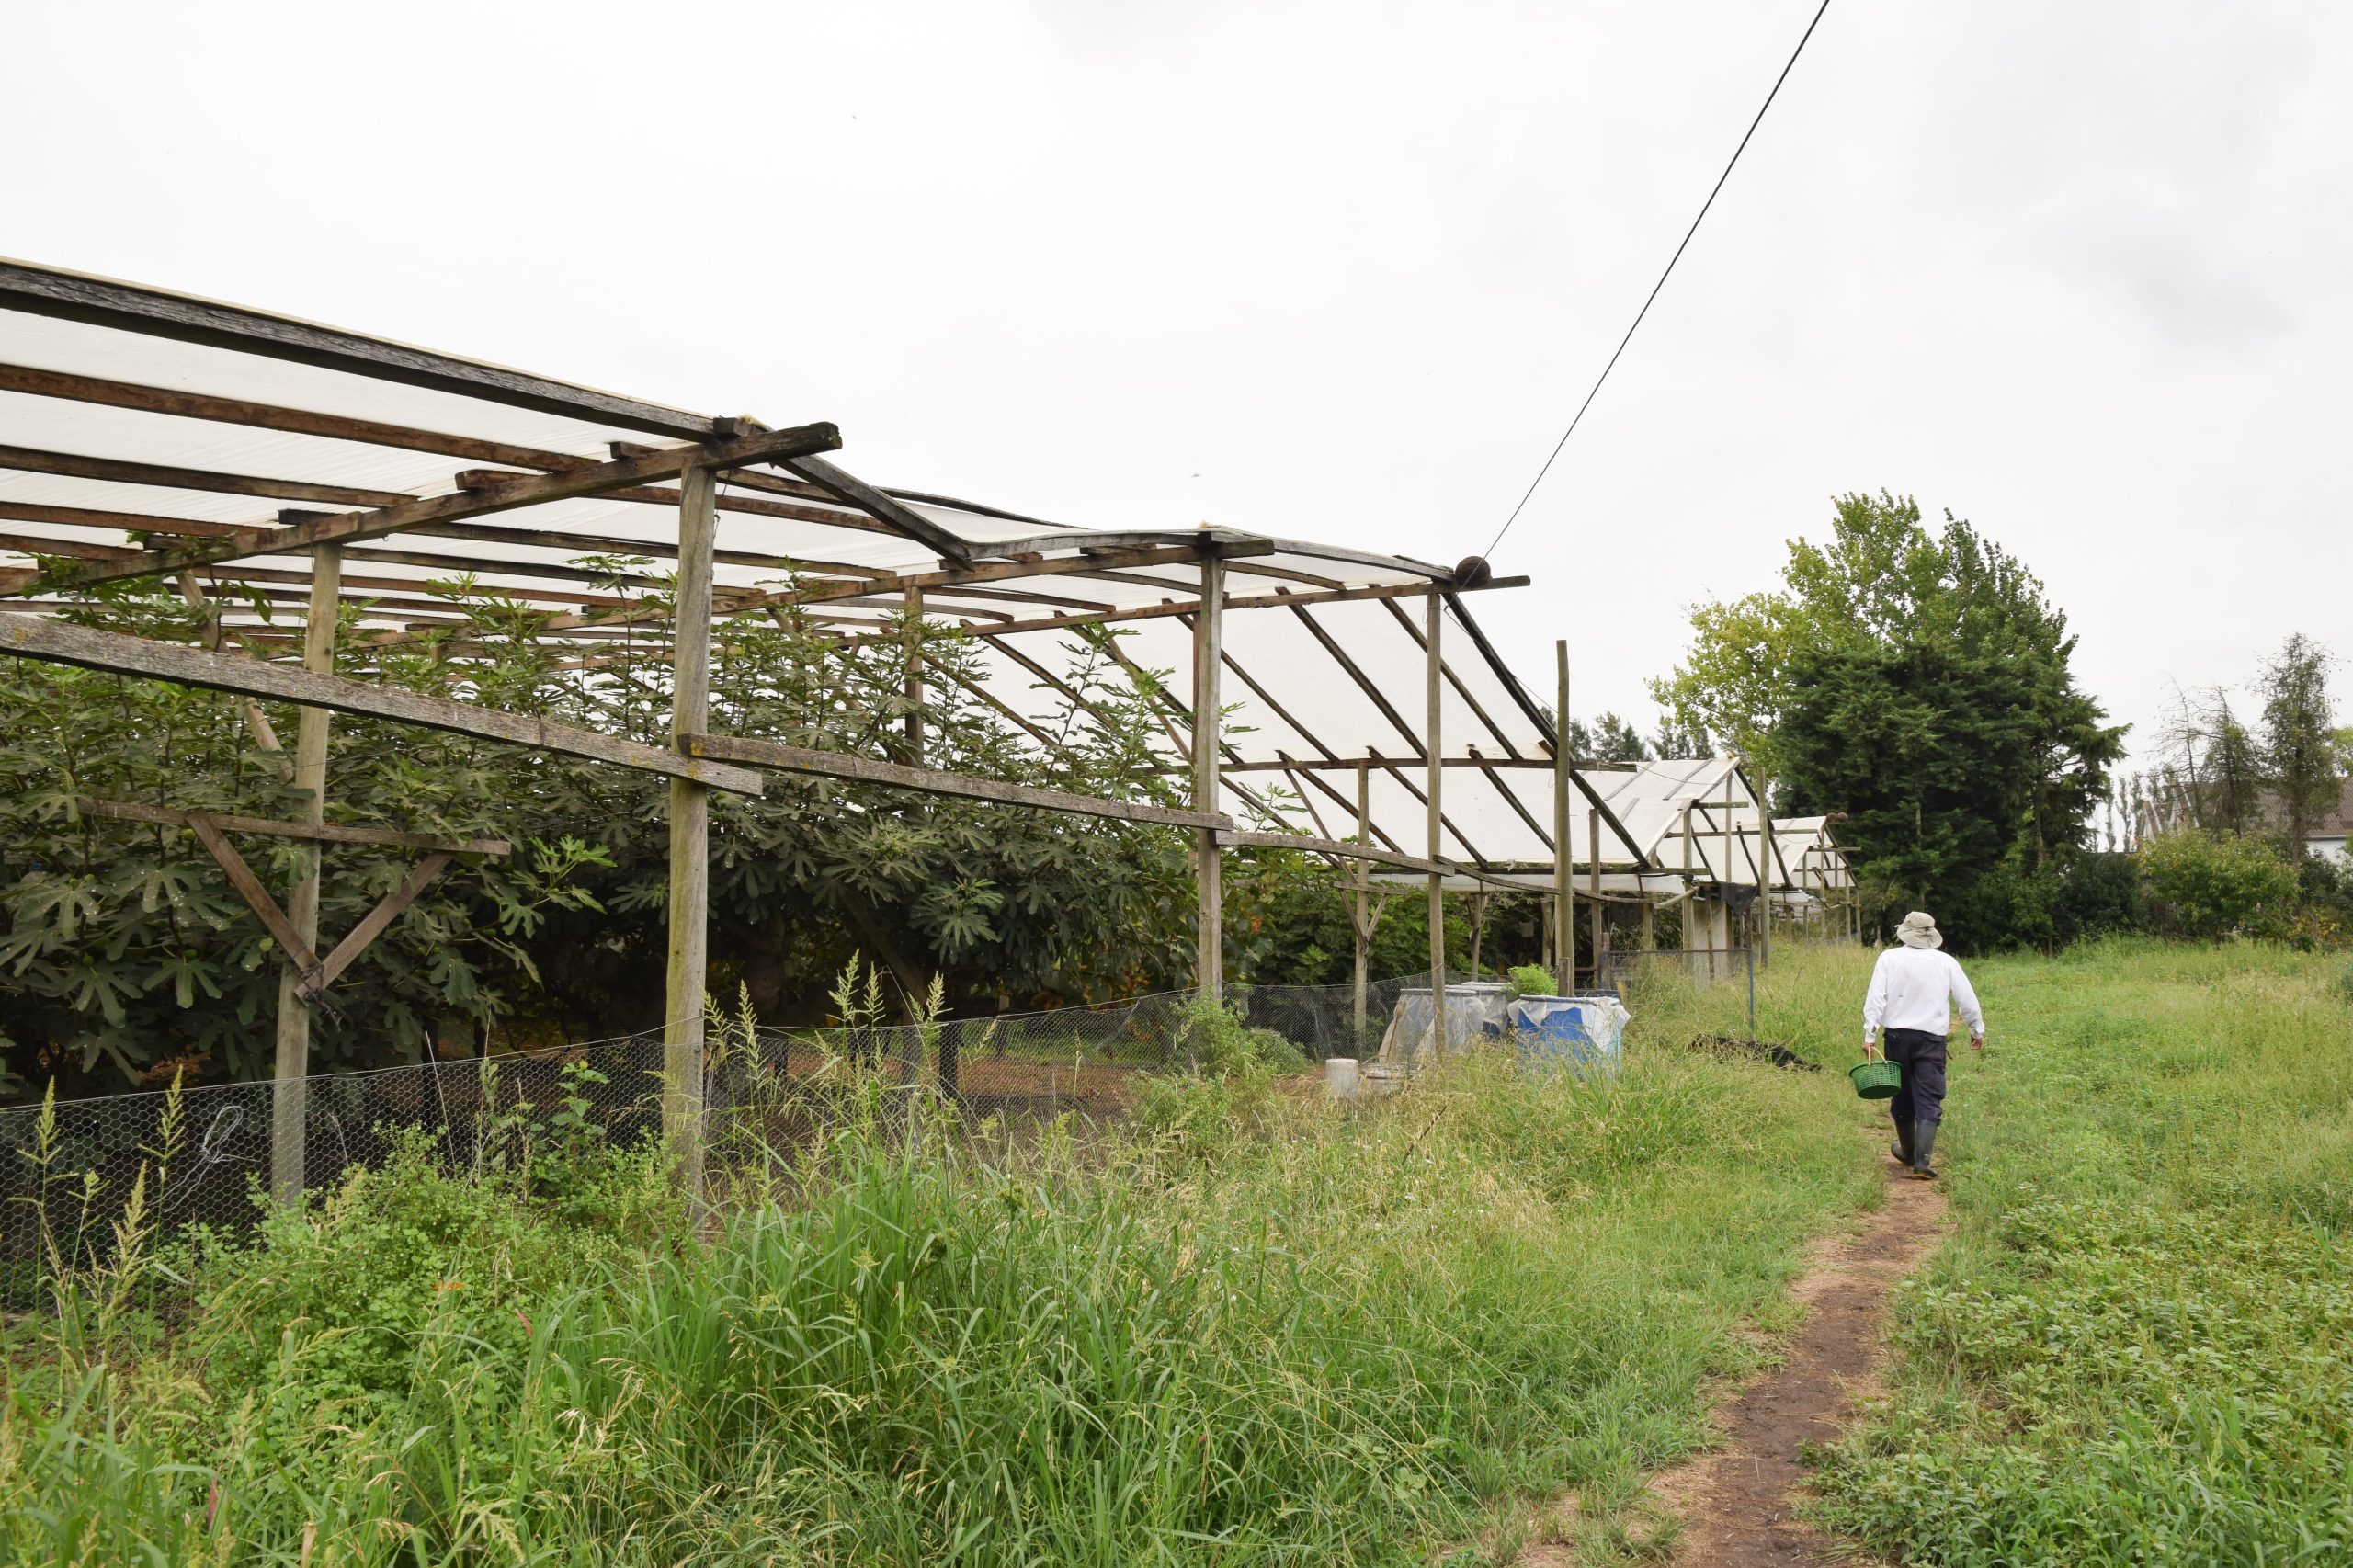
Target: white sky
{"points": [[1339, 270]]}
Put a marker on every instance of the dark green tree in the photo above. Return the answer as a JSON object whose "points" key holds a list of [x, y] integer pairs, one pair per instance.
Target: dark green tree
{"points": [[2299, 743], [1941, 715]]}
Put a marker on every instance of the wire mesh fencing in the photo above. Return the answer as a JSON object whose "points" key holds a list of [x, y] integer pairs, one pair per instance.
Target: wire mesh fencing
{"points": [[1624, 970], [202, 1155]]}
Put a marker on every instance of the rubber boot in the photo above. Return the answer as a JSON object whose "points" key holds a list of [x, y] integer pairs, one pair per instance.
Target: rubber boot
{"points": [[1901, 1150], [1924, 1143]]}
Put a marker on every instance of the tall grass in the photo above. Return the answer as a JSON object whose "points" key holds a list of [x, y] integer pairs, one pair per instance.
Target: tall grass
{"points": [[1282, 1333], [2139, 1349]]}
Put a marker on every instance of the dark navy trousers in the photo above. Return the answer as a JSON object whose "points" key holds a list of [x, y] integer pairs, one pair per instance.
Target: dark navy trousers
{"points": [[1922, 1057]]}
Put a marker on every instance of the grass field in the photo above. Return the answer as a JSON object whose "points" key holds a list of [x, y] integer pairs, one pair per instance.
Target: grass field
{"points": [[1252, 1329], [1256, 1329], [2139, 1346]]}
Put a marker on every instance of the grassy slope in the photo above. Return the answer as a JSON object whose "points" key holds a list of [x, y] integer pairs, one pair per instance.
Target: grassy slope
{"points": [[2140, 1347], [1275, 1332]]}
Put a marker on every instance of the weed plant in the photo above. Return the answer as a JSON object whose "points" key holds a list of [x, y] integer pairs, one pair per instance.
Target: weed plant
{"points": [[1249, 1328]]}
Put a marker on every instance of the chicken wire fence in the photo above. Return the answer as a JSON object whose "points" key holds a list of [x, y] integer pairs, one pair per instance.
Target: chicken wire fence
{"points": [[67, 1172]]}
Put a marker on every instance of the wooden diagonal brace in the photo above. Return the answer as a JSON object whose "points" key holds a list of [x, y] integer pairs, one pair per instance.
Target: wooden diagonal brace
{"points": [[346, 951], [240, 877]]}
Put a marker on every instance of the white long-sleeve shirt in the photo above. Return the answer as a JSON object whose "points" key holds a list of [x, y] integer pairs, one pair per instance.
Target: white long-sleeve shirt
{"points": [[1913, 988]]}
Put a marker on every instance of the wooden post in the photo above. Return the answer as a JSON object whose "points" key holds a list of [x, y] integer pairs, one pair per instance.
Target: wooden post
{"points": [[1688, 907], [1436, 684], [682, 1015], [1593, 884], [1730, 840], [1478, 928], [1564, 930], [915, 676], [1209, 652], [1362, 922], [1650, 923], [288, 1112]]}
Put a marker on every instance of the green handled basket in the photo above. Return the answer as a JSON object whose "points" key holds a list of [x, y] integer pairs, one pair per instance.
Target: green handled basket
{"points": [[1876, 1079]]}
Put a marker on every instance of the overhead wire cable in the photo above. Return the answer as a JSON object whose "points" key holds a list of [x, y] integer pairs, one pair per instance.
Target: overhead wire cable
{"points": [[1662, 280]]}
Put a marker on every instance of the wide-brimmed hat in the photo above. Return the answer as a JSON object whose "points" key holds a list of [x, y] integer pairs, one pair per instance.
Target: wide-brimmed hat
{"points": [[1919, 930]]}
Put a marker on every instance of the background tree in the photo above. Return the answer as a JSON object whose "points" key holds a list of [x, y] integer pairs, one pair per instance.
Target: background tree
{"points": [[1922, 684], [1866, 584], [2299, 744]]}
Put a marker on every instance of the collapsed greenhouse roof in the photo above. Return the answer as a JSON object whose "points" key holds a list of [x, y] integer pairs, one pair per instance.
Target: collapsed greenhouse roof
{"points": [[144, 433]]}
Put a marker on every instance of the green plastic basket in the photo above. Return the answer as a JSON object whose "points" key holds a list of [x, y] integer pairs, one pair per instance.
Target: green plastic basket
{"points": [[1876, 1079]]}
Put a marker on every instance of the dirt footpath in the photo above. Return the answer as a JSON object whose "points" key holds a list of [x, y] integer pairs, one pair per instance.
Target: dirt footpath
{"points": [[1735, 1501]]}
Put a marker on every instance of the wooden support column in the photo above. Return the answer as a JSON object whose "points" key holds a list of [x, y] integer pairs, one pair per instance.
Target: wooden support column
{"points": [[1564, 930], [1436, 683], [1208, 653], [1688, 908], [1362, 924], [914, 676], [289, 1113], [682, 1012], [1593, 885]]}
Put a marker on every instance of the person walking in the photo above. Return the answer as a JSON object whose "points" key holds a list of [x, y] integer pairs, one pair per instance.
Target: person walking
{"points": [[1909, 1006]]}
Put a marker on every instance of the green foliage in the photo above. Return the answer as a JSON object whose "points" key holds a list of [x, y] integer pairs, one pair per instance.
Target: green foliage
{"points": [[1870, 583], [1340, 1340], [1533, 980], [1921, 685], [414, 1253], [2299, 736], [2207, 885], [2134, 1351], [124, 952], [1219, 1044]]}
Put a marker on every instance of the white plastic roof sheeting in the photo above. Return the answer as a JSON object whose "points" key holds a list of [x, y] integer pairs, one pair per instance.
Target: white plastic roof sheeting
{"points": [[1318, 682], [1811, 854]]}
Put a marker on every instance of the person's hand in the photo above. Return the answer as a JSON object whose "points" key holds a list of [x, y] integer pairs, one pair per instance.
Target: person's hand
{"points": [[1977, 1042], [1870, 1049]]}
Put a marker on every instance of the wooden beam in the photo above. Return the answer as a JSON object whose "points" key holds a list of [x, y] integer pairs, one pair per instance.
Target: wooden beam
{"points": [[1461, 687], [351, 526], [257, 898], [127, 307], [874, 502], [36, 637], [1261, 601], [1345, 850], [387, 910], [930, 781], [1379, 698], [884, 581], [120, 471], [270, 416], [321, 833]]}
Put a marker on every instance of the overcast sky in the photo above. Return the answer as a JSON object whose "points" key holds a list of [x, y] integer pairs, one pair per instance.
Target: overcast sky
{"points": [[1343, 270]]}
